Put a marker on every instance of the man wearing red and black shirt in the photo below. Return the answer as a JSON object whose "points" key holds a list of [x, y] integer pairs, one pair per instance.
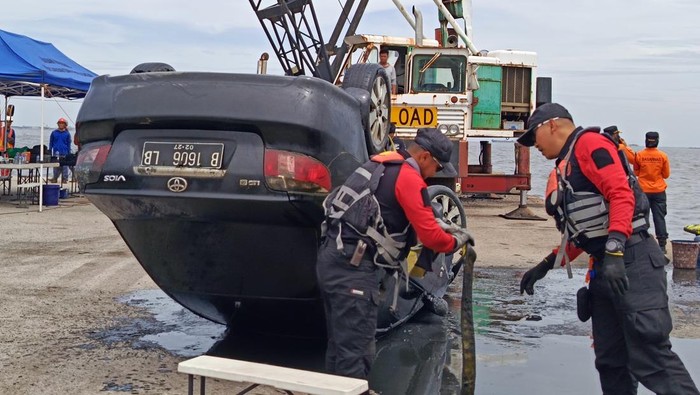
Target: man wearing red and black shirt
{"points": [[626, 298], [350, 292]]}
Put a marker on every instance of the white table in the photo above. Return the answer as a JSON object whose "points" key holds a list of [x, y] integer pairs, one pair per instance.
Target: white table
{"points": [[33, 168]]}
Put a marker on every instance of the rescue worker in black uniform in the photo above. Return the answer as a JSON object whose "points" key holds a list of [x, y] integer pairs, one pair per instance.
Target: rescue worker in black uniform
{"points": [[350, 286], [626, 297]]}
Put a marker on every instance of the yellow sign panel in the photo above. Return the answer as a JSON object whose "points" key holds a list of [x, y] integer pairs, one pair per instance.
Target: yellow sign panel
{"points": [[414, 117]]}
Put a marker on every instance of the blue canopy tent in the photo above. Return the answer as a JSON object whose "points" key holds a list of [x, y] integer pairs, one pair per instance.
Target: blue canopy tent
{"points": [[34, 68], [27, 64]]}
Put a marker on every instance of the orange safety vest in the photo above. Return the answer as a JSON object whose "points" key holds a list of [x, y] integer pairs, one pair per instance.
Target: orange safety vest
{"points": [[652, 167]]}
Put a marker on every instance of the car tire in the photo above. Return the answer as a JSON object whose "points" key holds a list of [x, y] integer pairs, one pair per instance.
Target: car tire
{"points": [[447, 204], [452, 210], [152, 67], [372, 78]]}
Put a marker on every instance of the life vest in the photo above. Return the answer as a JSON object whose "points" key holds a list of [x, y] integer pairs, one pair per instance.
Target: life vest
{"points": [[354, 208], [583, 215]]}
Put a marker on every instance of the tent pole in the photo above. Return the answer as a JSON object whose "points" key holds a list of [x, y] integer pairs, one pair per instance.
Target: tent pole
{"points": [[41, 154], [4, 127]]}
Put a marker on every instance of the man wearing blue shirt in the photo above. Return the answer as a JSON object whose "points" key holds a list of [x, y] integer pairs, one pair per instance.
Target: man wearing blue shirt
{"points": [[59, 145]]}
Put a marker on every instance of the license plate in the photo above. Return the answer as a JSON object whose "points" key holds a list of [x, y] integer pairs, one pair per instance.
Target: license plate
{"points": [[414, 117], [181, 154]]}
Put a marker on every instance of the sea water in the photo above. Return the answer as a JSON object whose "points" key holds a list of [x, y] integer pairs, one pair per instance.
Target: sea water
{"points": [[683, 187], [682, 192]]}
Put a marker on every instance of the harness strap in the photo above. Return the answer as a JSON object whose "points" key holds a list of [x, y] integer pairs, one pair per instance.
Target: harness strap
{"points": [[562, 253]]}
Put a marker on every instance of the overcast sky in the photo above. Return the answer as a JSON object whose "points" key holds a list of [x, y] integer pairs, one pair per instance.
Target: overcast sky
{"points": [[635, 64]]}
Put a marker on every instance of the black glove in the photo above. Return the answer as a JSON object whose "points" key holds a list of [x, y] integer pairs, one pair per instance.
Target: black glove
{"points": [[462, 237], [614, 264], [614, 272], [536, 273]]}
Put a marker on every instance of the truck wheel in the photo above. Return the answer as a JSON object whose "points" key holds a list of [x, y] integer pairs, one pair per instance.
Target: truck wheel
{"points": [[372, 78]]}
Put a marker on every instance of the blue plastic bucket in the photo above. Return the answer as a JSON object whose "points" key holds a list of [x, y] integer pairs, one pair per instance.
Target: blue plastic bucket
{"points": [[51, 195], [63, 194]]}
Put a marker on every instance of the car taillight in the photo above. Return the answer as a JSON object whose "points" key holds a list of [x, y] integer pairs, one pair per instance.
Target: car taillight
{"points": [[294, 172], [90, 160]]}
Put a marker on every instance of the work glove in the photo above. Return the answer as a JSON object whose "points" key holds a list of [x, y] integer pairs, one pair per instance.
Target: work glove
{"points": [[614, 272], [537, 273], [449, 228], [462, 237], [614, 263]]}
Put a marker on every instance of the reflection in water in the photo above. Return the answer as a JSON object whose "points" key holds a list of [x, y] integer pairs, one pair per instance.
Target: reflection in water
{"points": [[416, 358], [522, 341]]}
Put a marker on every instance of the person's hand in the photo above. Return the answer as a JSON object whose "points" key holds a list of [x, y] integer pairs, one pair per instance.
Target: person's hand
{"points": [[462, 237], [614, 263], [449, 228], [527, 283], [614, 272]]}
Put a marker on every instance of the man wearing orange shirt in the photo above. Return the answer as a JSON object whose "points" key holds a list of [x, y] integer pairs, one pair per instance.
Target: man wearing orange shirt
{"points": [[653, 168]]}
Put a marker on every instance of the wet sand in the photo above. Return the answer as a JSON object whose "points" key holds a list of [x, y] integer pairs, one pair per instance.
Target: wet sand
{"points": [[66, 277]]}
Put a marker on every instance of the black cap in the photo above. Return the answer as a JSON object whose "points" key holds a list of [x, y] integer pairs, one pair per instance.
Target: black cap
{"points": [[542, 114], [652, 139], [611, 130], [439, 146]]}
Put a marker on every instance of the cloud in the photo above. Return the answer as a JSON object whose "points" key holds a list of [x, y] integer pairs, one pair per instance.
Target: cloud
{"points": [[629, 63]]}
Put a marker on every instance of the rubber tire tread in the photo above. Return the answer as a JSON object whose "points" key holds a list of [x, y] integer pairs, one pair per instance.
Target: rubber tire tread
{"points": [[362, 76]]}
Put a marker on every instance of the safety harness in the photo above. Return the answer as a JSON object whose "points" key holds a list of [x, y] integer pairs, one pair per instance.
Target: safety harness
{"points": [[583, 215], [354, 206]]}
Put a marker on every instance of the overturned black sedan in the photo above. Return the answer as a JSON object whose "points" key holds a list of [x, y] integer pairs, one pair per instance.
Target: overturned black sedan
{"points": [[215, 182]]}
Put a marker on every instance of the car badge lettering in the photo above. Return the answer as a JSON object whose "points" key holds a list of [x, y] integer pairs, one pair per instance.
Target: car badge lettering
{"points": [[177, 184], [114, 178]]}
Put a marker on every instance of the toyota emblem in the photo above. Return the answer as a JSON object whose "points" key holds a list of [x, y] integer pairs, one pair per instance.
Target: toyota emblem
{"points": [[177, 184]]}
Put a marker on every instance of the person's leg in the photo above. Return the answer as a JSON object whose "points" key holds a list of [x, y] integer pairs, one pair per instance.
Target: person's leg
{"points": [[657, 205], [64, 174], [647, 324], [355, 324], [352, 294], [56, 173], [609, 343]]}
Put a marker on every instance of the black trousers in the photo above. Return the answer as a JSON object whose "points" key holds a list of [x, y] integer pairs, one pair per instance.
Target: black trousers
{"points": [[631, 332], [350, 298], [657, 206]]}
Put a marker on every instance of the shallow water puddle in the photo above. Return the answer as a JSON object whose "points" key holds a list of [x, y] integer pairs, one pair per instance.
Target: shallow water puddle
{"points": [[522, 341]]}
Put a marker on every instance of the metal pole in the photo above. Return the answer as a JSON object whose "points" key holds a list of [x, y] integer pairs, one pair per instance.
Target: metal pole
{"points": [[41, 155], [405, 13], [4, 125]]}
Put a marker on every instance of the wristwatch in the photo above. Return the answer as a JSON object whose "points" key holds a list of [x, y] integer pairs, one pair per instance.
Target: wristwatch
{"points": [[614, 245]]}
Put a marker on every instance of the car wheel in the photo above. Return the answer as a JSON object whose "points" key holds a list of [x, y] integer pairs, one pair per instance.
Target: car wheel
{"points": [[447, 205], [372, 78]]}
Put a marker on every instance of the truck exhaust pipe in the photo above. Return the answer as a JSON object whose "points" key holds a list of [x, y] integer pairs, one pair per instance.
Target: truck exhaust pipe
{"points": [[262, 63], [419, 26]]}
